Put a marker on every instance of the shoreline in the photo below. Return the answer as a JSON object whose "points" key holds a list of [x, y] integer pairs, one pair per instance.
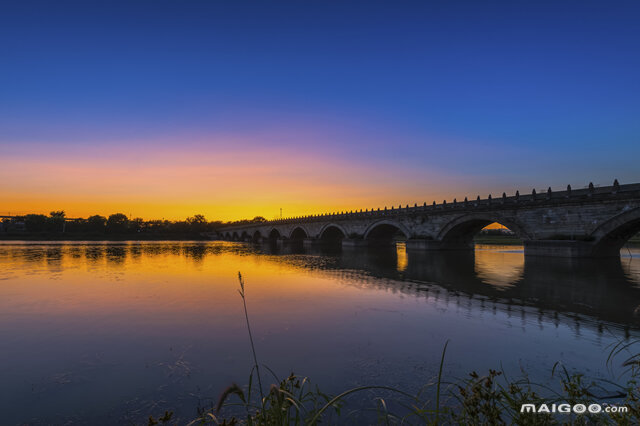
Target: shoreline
{"points": [[51, 237]]}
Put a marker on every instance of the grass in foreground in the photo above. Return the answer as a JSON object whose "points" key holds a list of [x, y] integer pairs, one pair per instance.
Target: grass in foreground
{"points": [[489, 399]]}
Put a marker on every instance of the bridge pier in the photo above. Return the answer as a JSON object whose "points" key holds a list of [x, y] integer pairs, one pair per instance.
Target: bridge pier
{"points": [[538, 248], [354, 242], [546, 248], [418, 244], [311, 242], [566, 248], [277, 242], [423, 244]]}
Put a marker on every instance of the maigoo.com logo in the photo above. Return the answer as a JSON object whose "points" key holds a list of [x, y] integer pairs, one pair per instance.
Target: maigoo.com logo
{"points": [[575, 408]]}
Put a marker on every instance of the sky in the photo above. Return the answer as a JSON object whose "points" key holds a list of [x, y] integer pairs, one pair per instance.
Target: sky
{"points": [[234, 109]]}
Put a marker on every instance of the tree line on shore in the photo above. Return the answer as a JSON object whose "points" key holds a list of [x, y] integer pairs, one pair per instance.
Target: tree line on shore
{"points": [[117, 223]]}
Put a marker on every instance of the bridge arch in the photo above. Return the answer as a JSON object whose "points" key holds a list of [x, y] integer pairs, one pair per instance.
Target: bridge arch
{"points": [[461, 230], [257, 237], [298, 234], [332, 232], [385, 230], [235, 236], [227, 236], [274, 234], [244, 236], [613, 234]]}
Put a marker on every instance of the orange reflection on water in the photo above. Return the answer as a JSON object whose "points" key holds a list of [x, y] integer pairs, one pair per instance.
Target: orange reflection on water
{"points": [[403, 259], [499, 266], [149, 282]]}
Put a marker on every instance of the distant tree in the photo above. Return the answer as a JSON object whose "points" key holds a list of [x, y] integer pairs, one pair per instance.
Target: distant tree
{"points": [[196, 219], [136, 224], [214, 224], [35, 222], [179, 227], [56, 220], [76, 225], [58, 214], [96, 223], [117, 223], [258, 219], [197, 223], [155, 226]]}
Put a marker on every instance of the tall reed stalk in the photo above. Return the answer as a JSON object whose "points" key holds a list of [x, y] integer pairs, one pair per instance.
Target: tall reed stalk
{"points": [[253, 346]]}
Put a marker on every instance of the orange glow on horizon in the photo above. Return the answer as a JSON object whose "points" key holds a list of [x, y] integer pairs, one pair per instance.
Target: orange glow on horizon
{"points": [[220, 185]]}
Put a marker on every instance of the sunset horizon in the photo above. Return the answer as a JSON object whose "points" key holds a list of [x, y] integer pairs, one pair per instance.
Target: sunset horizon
{"points": [[294, 213], [243, 119]]}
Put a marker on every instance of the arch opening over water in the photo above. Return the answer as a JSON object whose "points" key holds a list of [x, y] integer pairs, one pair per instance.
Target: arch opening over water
{"points": [[613, 235], [274, 235], [496, 233], [235, 236], [332, 233], [386, 233], [257, 237], [298, 234], [465, 232]]}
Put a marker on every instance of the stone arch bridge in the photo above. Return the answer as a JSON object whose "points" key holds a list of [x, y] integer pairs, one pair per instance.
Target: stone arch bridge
{"points": [[589, 222]]}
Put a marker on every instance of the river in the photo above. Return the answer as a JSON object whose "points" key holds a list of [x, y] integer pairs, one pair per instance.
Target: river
{"points": [[109, 333]]}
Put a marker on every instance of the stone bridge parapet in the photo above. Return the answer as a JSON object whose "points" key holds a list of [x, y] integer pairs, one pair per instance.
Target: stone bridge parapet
{"points": [[588, 222]]}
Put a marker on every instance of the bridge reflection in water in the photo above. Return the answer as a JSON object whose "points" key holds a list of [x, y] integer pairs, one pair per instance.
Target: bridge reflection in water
{"points": [[596, 292]]}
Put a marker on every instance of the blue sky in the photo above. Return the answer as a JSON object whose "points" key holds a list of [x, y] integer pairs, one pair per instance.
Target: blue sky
{"points": [[478, 95]]}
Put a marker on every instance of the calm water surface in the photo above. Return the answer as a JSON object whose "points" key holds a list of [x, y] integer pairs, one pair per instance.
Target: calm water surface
{"points": [[112, 332]]}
